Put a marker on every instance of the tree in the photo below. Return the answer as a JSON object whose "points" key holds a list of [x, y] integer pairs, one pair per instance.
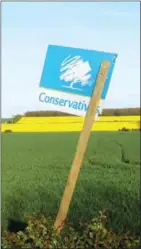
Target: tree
{"points": [[75, 71]]}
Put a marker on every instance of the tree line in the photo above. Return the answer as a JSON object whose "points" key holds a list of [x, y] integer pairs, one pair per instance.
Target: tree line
{"points": [[106, 112]]}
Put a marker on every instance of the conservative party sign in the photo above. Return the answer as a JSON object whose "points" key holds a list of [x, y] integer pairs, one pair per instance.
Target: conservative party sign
{"points": [[69, 78]]}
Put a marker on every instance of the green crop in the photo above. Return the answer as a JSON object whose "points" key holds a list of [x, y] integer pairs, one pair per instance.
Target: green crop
{"points": [[35, 167]]}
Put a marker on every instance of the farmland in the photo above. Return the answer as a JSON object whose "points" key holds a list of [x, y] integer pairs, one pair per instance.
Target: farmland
{"points": [[70, 123], [35, 167]]}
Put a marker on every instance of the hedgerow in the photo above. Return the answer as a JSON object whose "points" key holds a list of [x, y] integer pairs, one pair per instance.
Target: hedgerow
{"points": [[40, 233]]}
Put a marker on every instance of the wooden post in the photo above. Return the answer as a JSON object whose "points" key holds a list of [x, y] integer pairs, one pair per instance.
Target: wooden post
{"points": [[81, 147]]}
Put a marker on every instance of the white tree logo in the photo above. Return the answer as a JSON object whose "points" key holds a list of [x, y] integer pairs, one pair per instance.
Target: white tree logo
{"points": [[75, 71]]}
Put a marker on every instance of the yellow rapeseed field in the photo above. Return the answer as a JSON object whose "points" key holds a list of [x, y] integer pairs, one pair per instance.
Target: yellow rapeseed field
{"points": [[71, 123]]}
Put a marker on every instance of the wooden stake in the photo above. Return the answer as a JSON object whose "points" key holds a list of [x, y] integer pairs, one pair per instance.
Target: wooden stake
{"points": [[81, 147]]}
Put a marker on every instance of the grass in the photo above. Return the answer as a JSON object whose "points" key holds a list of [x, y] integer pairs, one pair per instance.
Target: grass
{"points": [[35, 169]]}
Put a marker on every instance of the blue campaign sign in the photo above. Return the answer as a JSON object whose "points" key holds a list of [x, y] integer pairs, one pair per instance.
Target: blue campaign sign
{"points": [[74, 70], [69, 77]]}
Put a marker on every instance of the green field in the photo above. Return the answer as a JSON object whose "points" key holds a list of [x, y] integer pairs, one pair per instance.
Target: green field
{"points": [[35, 169]]}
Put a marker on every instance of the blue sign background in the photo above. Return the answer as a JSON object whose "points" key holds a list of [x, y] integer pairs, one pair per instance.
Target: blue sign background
{"points": [[56, 54]]}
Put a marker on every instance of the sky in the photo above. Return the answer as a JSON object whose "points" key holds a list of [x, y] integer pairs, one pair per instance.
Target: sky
{"points": [[28, 29]]}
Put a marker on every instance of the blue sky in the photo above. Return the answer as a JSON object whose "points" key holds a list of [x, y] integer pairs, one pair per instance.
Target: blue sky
{"points": [[28, 28]]}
